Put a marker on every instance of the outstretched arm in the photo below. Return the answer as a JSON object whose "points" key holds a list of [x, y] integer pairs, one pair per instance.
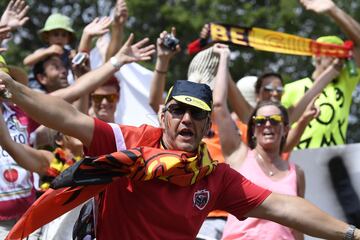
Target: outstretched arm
{"points": [[117, 28], [229, 136], [27, 157], [50, 111], [163, 59], [346, 23], [299, 214], [93, 79]]}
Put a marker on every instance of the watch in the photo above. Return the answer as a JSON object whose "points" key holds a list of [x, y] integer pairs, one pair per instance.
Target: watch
{"points": [[116, 64], [349, 235]]}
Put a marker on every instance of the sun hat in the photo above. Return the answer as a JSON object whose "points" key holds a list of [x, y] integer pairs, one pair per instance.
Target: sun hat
{"points": [[203, 67], [195, 94], [57, 21]]}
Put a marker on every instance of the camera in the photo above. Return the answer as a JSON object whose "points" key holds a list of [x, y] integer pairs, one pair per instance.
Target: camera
{"points": [[79, 58], [170, 42]]}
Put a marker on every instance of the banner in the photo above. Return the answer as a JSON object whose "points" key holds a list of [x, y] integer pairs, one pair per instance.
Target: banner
{"points": [[272, 41]]}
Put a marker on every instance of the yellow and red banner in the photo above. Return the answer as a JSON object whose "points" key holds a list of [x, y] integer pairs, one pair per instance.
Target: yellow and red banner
{"points": [[272, 41]]}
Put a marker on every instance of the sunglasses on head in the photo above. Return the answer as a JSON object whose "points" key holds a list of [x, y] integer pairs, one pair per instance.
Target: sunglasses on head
{"points": [[273, 119], [177, 111], [111, 98], [271, 88]]}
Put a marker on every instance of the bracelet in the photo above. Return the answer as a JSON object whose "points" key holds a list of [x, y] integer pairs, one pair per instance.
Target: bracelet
{"points": [[160, 72], [349, 235]]}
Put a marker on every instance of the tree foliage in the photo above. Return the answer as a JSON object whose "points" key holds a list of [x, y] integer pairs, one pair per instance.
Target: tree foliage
{"points": [[148, 18]]}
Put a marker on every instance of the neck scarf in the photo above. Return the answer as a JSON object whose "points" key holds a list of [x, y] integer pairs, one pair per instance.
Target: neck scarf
{"points": [[90, 176]]}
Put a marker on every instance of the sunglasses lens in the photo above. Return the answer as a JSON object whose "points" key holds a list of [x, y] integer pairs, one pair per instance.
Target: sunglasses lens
{"points": [[273, 119], [109, 98], [199, 114], [179, 111], [259, 120], [270, 88], [176, 110]]}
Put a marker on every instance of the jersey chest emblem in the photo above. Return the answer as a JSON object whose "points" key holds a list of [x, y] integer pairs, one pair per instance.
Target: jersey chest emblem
{"points": [[201, 198]]}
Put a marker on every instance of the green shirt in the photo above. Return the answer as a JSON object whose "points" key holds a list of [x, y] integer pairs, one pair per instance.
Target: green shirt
{"points": [[330, 127]]}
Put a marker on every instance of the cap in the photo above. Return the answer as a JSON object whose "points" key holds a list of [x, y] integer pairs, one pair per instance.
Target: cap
{"points": [[330, 39], [195, 94], [203, 67], [56, 21], [17, 73]]}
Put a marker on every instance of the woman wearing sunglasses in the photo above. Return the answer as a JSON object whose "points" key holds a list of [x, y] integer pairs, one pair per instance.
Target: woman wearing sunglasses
{"points": [[260, 160]]}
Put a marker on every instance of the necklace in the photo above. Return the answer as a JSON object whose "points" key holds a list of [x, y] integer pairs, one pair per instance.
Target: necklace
{"points": [[262, 161]]}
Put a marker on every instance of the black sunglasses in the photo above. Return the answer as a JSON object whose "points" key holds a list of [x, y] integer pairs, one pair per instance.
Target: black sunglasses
{"points": [[177, 111]]}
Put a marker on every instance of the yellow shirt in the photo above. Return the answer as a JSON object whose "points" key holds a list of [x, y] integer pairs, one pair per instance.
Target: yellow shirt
{"points": [[330, 127]]}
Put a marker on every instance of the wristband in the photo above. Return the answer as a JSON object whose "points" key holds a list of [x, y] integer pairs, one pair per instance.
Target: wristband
{"points": [[116, 64], [349, 235], [160, 72]]}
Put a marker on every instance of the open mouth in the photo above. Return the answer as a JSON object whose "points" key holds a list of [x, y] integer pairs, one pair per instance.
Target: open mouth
{"points": [[268, 134], [186, 133]]}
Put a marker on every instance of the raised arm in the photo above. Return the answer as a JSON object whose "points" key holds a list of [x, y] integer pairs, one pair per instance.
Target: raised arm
{"points": [[117, 28], [27, 157], [4, 34], [91, 80], [299, 214], [295, 133], [238, 103], [230, 140], [98, 27], [14, 15], [42, 53], [163, 59], [330, 73], [346, 23]]}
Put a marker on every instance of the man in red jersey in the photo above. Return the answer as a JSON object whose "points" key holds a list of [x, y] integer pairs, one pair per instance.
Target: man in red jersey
{"points": [[158, 209]]}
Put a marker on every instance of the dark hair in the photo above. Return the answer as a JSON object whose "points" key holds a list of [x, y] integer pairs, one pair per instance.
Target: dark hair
{"points": [[39, 66], [251, 125], [113, 82], [262, 77]]}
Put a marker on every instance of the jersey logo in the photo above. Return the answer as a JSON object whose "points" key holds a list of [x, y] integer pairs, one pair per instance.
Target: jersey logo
{"points": [[201, 198]]}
